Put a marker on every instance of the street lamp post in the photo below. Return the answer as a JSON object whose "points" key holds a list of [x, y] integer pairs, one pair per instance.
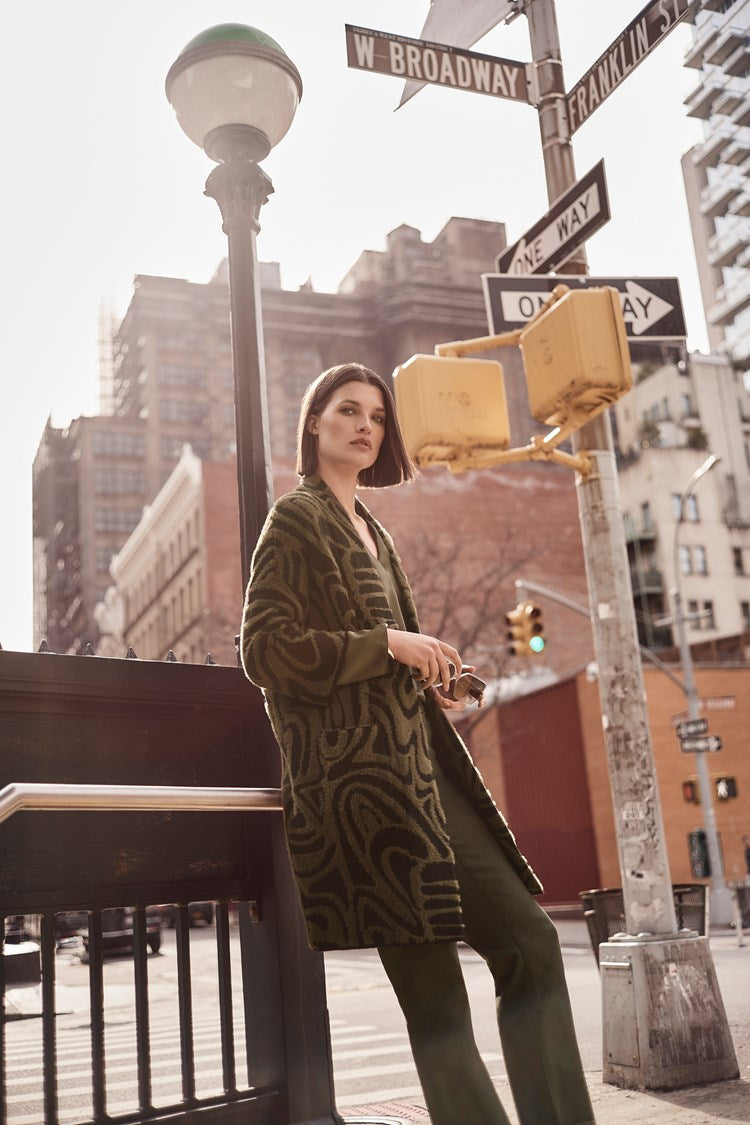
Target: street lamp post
{"points": [[721, 904], [235, 93]]}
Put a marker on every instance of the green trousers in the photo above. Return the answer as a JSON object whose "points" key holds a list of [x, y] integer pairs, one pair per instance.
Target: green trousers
{"points": [[508, 928]]}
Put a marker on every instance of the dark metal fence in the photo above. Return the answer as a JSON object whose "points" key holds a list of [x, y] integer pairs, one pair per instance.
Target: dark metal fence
{"points": [[76, 721]]}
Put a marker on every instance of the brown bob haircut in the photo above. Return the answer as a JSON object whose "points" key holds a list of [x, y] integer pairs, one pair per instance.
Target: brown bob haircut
{"points": [[392, 466]]}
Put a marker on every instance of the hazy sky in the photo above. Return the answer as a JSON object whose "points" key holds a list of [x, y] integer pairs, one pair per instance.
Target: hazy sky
{"points": [[100, 183]]}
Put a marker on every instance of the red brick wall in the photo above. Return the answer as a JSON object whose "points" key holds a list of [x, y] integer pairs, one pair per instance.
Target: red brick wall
{"points": [[223, 579], [716, 685], [546, 791]]}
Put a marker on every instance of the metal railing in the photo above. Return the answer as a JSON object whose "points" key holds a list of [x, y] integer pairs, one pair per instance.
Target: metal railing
{"points": [[183, 798], [259, 1103]]}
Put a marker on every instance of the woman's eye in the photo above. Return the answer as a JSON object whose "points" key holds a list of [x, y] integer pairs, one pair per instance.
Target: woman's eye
{"points": [[379, 421]]}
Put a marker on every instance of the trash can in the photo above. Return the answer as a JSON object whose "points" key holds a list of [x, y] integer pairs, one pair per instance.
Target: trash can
{"points": [[743, 901], [604, 911]]}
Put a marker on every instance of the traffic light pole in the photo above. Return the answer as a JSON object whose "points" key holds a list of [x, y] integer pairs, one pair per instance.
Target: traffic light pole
{"points": [[657, 1024]]}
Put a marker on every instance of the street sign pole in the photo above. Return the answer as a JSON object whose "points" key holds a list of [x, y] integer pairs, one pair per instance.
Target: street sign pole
{"points": [[634, 988], [722, 904], [647, 886]]}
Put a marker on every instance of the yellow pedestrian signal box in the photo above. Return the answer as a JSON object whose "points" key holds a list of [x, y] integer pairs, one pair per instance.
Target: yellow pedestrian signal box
{"points": [[452, 411], [576, 357], [525, 630]]}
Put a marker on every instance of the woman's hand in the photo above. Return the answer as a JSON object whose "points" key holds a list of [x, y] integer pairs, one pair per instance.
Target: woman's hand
{"points": [[429, 656], [449, 704]]}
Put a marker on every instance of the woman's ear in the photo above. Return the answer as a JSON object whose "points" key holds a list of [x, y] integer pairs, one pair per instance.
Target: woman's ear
{"points": [[312, 424]]}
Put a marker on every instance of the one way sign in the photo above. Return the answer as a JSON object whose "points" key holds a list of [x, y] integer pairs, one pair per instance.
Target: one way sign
{"points": [[572, 218], [651, 306]]}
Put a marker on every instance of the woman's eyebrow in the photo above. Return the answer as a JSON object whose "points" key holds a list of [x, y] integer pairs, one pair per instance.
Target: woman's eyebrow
{"points": [[356, 402]]}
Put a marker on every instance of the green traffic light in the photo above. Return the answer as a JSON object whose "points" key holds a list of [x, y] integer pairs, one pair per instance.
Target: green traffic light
{"points": [[536, 644]]}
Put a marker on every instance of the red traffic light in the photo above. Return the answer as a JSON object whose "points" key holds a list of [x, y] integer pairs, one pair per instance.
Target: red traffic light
{"points": [[690, 792]]}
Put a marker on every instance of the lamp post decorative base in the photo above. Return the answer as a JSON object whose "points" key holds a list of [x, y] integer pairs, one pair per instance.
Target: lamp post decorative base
{"points": [[664, 1021]]}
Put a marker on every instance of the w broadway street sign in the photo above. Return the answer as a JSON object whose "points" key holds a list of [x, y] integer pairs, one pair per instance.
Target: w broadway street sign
{"points": [[651, 306], [571, 219], [437, 63], [638, 39]]}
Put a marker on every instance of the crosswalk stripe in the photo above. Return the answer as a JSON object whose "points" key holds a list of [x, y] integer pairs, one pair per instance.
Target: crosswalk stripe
{"points": [[159, 1084], [373, 1052], [341, 1075], [128, 1067], [377, 1037]]}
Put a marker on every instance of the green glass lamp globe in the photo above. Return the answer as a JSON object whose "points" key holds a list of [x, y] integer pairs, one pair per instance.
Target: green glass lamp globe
{"points": [[237, 76]]}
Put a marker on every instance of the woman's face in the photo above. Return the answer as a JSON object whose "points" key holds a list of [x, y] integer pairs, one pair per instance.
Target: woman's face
{"points": [[350, 428]]}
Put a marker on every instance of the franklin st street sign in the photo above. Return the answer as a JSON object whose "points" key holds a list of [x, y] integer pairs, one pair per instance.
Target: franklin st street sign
{"points": [[651, 306], [638, 39], [437, 63]]}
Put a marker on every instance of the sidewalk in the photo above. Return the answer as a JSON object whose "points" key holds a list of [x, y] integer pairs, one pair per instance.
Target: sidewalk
{"points": [[722, 1103]]}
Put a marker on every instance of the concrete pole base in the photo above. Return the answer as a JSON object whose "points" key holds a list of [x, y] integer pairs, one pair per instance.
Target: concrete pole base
{"points": [[663, 1016], [721, 906]]}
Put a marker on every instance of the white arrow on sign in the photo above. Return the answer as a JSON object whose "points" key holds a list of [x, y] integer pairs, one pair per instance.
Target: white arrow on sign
{"points": [[546, 244], [641, 308]]}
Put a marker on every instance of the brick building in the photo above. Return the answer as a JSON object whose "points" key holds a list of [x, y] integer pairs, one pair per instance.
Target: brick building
{"points": [[178, 573], [170, 383], [544, 758], [89, 487]]}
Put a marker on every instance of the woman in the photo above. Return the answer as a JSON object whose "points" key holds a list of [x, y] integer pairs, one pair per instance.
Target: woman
{"points": [[394, 841]]}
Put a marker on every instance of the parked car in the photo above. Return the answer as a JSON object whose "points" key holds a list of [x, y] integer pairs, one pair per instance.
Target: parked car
{"points": [[117, 930], [68, 927], [197, 912]]}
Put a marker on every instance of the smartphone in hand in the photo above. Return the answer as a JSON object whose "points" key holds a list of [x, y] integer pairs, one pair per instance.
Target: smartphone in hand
{"points": [[467, 684]]}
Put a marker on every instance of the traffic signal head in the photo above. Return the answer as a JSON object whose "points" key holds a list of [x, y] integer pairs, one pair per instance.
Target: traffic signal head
{"points": [[576, 357], [452, 411], [726, 788], [690, 792], [525, 630]]}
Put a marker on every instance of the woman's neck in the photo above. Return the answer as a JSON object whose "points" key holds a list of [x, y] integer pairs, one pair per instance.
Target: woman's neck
{"points": [[342, 485]]}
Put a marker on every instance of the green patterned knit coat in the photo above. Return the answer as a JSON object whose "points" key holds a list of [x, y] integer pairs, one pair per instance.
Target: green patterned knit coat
{"points": [[364, 825]]}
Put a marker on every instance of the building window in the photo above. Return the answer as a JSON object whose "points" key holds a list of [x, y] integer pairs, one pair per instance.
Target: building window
{"points": [[171, 375], [688, 408], [700, 560], [114, 443], [708, 615], [686, 559], [104, 558], [739, 563], [646, 516], [116, 519], [693, 618], [745, 611], [627, 519], [118, 482], [183, 410], [689, 509]]}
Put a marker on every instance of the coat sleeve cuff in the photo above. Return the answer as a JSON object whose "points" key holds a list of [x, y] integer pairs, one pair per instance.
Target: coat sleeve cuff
{"points": [[366, 655]]}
